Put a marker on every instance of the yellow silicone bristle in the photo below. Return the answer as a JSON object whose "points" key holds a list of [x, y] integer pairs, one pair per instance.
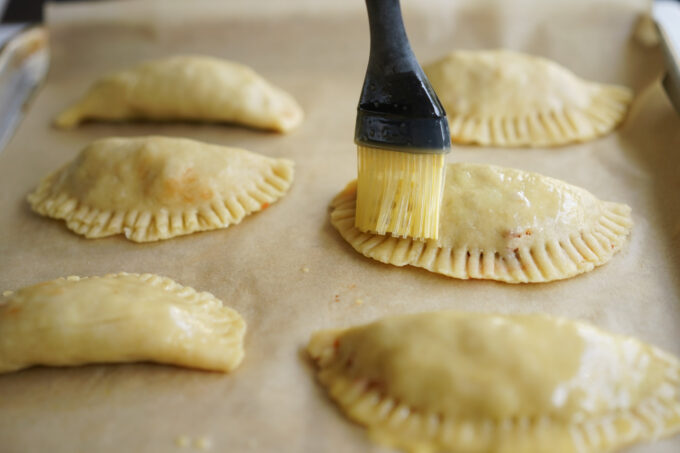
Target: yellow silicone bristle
{"points": [[399, 192]]}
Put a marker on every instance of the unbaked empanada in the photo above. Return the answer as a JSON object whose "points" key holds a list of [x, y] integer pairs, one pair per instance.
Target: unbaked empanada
{"points": [[501, 224], [481, 383], [505, 98], [152, 188], [117, 318], [196, 88]]}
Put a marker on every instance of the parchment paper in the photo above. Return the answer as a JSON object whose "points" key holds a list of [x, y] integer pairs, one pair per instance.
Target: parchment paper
{"points": [[318, 52]]}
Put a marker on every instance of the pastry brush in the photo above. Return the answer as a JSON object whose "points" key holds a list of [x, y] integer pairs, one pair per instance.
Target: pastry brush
{"points": [[401, 133]]}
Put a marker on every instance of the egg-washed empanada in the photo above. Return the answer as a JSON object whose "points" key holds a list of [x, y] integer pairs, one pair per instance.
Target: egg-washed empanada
{"points": [[118, 318], [505, 98], [501, 224], [482, 383], [195, 88], [152, 188]]}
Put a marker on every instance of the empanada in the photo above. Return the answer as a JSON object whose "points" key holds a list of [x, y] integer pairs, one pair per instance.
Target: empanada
{"points": [[482, 383], [501, 224], [196, 88], [152, 188], [505, 98], [118, 318]]}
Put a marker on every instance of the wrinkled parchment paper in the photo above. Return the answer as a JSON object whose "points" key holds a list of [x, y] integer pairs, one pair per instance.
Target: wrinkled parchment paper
{"points": [[318, 52]]}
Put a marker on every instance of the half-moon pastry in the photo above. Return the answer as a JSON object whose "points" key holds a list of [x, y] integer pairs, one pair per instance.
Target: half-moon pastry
{"points": [[195, 88], [501, 224], [118, 318], [505, 98], [483, 383], [152, 188]]}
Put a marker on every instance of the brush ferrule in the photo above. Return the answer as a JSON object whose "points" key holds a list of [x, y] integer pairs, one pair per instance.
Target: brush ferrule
{"points": [[413, 135]]}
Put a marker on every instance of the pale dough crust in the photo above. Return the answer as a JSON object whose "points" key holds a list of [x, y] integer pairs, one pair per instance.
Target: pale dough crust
{"points": [[197, 88], [506, 98], [501, 224], [482, 383], [118, 318], [152, 188]]}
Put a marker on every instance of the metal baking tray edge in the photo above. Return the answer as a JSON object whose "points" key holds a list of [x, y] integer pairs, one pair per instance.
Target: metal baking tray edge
{"points": [[24, 61]]}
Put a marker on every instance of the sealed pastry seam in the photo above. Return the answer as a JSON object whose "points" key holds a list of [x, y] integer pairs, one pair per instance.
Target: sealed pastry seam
{"points": [[555, 127], [551, 257], [392, 421], [163, 222], [118, 318], [506, 98]]}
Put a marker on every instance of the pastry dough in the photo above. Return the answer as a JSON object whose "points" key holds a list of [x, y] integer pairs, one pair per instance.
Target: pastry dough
{"points": [[505, 98], [187, 88], [152, 188], [501, 224], [118, 318], [480, 383]]}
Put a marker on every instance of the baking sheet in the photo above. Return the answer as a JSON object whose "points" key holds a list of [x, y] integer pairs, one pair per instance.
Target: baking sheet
{"points": [[272, 402], [24, 61]]}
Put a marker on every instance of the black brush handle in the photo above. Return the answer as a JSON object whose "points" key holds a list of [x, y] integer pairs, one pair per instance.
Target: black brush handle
{"points": [[398, 107]]}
